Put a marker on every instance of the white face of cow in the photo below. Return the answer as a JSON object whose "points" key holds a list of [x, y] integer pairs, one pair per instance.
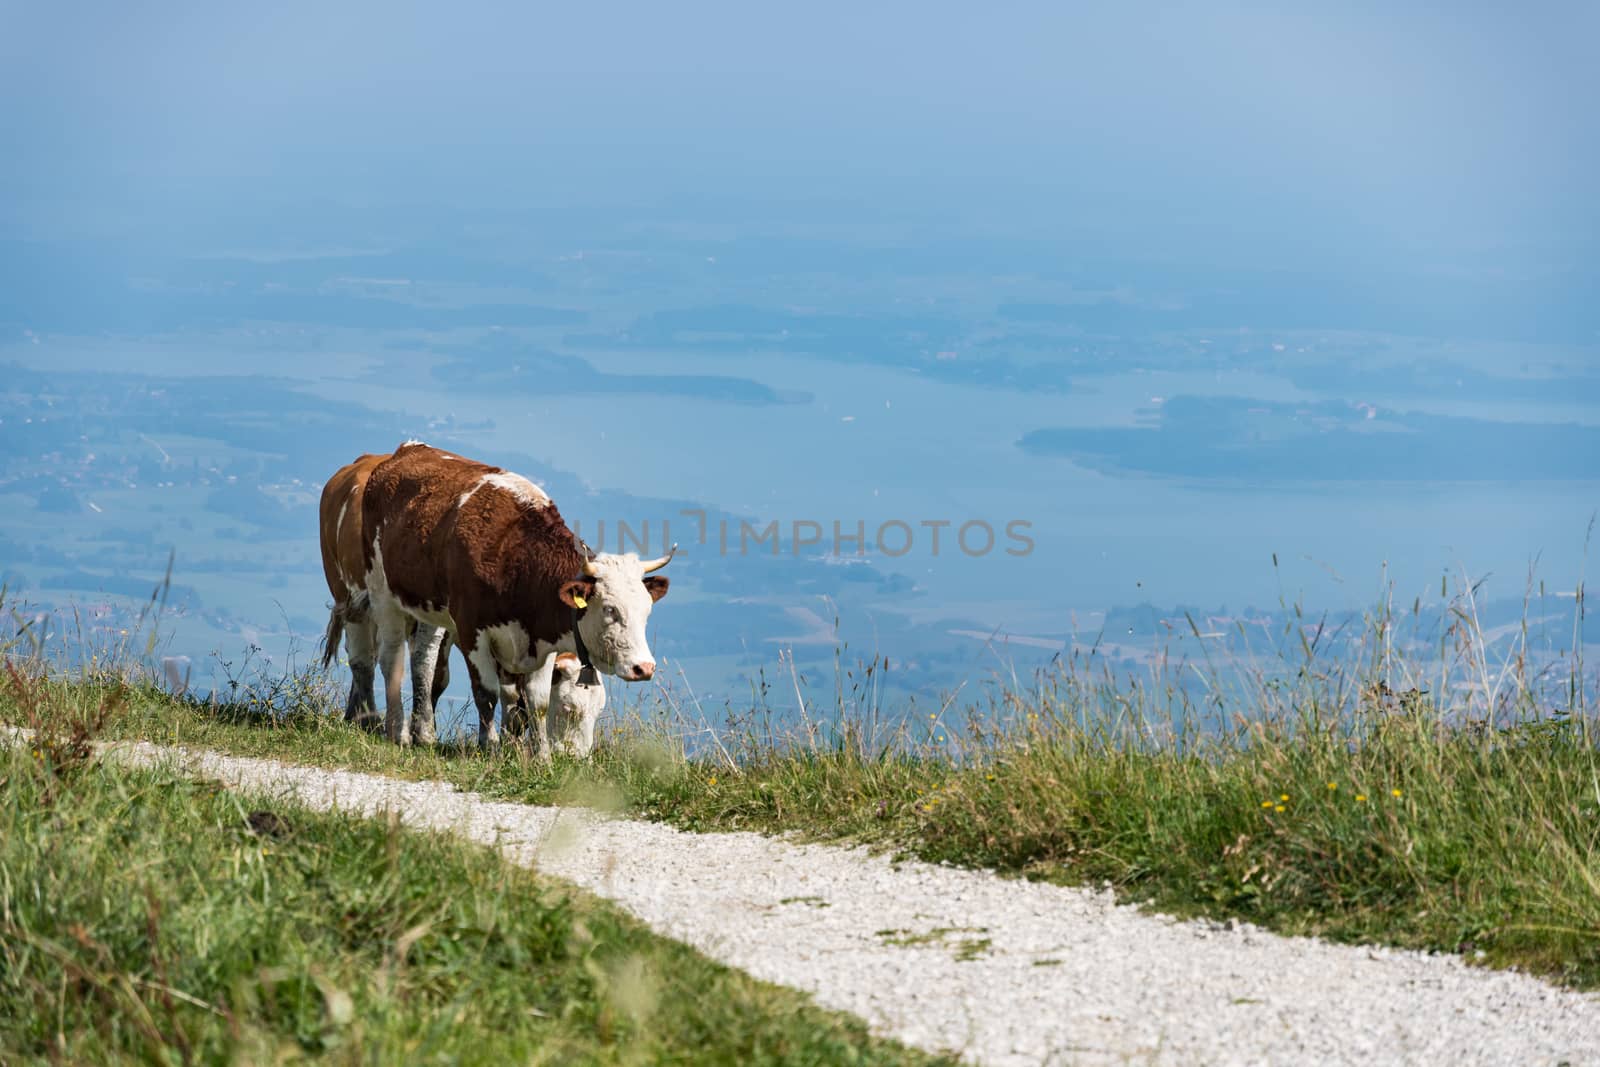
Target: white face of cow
{"points": [[616, 613], [574, 707]]}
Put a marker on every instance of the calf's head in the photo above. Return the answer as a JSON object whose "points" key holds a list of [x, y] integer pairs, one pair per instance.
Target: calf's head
{"points": [[574, 707], [614, 597]]}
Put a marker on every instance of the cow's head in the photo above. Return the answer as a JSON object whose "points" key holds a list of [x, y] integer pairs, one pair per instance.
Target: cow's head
{"points": [[574, 707], [614, 598]]}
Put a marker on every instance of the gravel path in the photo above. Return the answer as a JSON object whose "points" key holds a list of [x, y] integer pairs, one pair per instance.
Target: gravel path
{"points": [[1002, 971]]}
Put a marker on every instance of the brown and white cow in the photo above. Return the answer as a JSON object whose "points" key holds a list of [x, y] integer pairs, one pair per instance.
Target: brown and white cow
{"points": [[484, 554], [344, 566]]}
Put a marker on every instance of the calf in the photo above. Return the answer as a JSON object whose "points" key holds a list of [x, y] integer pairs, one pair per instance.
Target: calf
{"points": [[574, 707]]}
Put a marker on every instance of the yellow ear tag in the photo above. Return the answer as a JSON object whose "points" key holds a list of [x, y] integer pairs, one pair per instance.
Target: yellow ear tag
{"points": [[579, 601]]}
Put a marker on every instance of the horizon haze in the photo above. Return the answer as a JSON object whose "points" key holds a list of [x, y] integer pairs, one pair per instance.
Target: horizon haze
{"points": [[1230, 311]]}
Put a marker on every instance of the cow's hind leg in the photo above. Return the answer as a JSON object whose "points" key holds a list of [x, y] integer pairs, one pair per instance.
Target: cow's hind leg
{"points": [[391, 625], [425, 641], [361, 646]]}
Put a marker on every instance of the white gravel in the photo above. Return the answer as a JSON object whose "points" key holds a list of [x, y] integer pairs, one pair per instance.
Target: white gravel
{"points": [[1001, 971]]}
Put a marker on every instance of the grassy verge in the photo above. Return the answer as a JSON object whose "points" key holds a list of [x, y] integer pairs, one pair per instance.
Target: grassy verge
{"points": [[1388, 828], [145, 916], [1361, 794], [1486, 845]]}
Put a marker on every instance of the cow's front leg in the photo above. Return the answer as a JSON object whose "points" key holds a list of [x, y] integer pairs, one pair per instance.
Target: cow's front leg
{"points": [[425, 643], [514, 711], [392, 663], [441, 667], [484, 674], [534, 695], [517, 699], [486, 699]]}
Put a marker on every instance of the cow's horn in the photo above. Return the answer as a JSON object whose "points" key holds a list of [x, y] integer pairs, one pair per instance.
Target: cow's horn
{"points": [[657, 564], [589, 569]]}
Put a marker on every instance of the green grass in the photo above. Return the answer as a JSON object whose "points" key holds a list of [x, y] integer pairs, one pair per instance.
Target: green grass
{"points": [[145, 916], [1491, 847], [1320, 801], [1403, 834]]}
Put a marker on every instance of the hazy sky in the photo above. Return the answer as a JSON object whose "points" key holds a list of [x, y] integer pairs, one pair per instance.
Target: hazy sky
{"points": [[1452, 136]]}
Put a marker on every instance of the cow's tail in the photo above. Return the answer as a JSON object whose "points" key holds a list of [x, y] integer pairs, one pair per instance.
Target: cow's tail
{"points": [[330, 639], [352, 610]]}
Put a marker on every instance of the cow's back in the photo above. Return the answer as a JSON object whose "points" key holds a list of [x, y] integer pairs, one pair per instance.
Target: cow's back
{"points": [[474, 541], [340, 518], [409, 514]]}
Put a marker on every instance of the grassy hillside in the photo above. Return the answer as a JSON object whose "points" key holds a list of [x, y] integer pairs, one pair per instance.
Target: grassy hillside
{"points": [[1394, 829], [147, 917], [1458, 811]]}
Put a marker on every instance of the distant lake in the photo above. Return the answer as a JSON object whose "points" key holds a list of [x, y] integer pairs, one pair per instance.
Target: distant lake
{"points": [[878, 444], [1140, 468]]}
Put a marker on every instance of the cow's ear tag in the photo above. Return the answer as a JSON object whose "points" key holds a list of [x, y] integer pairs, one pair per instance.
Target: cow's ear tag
{"points": [[578, 601]]}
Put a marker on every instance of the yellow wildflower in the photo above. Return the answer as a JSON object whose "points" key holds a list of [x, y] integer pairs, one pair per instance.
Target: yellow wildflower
{"points": [[1283, 798], [713, 780], [1266, 803], [1361, 798], [1280, 807], [1333, 785], [1394, 792]]}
